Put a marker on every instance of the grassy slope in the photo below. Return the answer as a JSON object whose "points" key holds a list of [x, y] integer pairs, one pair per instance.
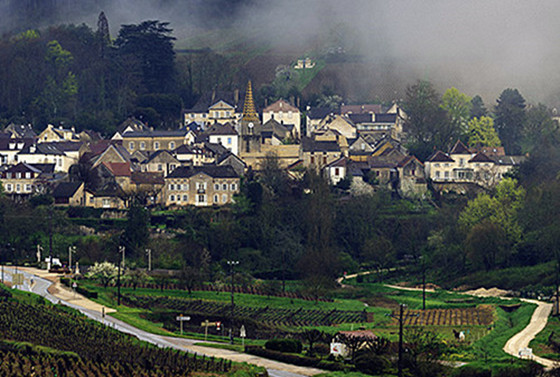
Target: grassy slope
{"points": [[540, 343]]}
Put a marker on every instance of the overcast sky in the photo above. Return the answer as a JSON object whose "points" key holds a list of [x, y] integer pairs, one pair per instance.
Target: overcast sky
{"points": [[479, 46]]}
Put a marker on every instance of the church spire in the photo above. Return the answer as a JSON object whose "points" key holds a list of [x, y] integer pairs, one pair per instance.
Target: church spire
{"points": [[249, 112]]}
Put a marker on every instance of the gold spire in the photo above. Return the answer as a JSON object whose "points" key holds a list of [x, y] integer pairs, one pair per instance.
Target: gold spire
{"points": [[249, 112]]}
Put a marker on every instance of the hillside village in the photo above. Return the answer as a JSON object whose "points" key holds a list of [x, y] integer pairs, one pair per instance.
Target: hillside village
{"points": [[201, 163]]}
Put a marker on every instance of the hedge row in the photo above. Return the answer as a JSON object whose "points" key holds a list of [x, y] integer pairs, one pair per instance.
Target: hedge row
{"points": [[303, 361]]}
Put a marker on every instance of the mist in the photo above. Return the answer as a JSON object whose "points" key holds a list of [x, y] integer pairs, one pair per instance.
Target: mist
{"points": [[480, 47]]}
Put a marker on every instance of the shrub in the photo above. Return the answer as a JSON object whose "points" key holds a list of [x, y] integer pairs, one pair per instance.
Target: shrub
{"points": [[284, 345], [370, 363], [321, 349], [295, 359]]}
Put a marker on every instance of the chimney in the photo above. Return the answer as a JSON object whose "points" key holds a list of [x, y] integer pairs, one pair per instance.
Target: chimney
{"points": [[236, 96]]}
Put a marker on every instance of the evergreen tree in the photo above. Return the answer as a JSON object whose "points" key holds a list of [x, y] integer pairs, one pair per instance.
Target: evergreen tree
{"points": [[510, 119]]}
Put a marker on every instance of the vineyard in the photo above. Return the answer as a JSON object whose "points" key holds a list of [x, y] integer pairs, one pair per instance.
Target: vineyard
{"points": [[100, 351], [480, 315], [272, 317]]}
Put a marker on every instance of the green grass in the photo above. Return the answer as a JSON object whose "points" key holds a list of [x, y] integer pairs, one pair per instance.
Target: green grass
{"points": [[507, 324], [540, 344]]}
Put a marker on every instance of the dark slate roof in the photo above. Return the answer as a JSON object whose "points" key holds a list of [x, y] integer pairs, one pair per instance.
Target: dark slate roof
{"points": [[147, 178], [5, 143], [212, 97], [408, 159], [156, 154], [188, 149], [218, 129], [481, 157], [22, 167], [226, 156], [66, 189], [311, 145], [22, 130], [214, 171], [509, 160], [217, 149], [65, 146], [157, 133], [45, 168], [360, 118], [43, 148], [134, 123], [194, 127], [459, 148], [381, 162], [385, 118], [319, 112], [361, 109], [439, 156]]}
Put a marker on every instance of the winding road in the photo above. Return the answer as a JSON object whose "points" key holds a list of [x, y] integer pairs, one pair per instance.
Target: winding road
{"points": [[41, 283], [520, 340]]}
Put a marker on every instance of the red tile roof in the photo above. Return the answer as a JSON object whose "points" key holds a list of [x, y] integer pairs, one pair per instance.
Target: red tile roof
{"points": [[119, 169]]}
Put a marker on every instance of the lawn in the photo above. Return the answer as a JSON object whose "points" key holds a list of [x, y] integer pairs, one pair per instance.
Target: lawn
{"points": [[541, 345]]}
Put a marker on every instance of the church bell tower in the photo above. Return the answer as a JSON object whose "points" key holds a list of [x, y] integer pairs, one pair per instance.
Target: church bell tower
{"points": [[250, 125]]}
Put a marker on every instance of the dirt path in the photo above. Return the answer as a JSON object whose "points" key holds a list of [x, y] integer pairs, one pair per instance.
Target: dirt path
{"points": [[523, 338], [535, 326]]}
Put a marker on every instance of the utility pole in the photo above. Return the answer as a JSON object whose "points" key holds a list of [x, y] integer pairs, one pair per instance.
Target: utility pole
{"points": [[71, 250], [423, 284], [149, 252], [121, 250], [232, 264], [401, 317]]}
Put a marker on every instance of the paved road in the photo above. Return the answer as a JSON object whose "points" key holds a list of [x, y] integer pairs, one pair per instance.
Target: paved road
{"points": [[92, 310]]}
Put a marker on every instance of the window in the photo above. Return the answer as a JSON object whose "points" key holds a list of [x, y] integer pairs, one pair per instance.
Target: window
{"points": [[229, 140], [160, 167], [437, 173], [216, 187], [9, 187], [224, 198], [201, 185], [131, 145], [363, 146], [290, 114], [446, 174], [201, 199], [91, 199], [28, 175], [233, 187], [171, 167], [336, 172], [185, 198], [171, 198], [142, 146], [224, 186], [215, 198], [18, 187], [325, 160], [178, 198], [312, 159], [219, 140], [461, 161], [28, 187], [18, 175], [171, 187], [106, 203], [436, 165], [9, 175], [171, 145], [156, 145]]}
